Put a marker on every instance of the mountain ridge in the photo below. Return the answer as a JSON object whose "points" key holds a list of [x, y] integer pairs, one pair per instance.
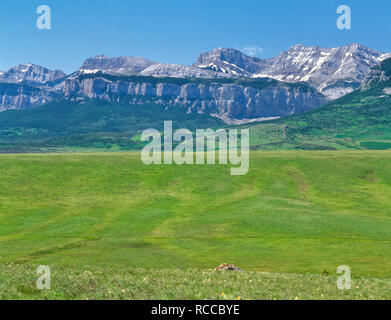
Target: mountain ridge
{"points": [[330, 72], [359, 120]]}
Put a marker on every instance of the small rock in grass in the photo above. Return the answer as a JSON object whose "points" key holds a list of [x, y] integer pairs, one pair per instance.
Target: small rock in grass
{"points": [[227, 267]]}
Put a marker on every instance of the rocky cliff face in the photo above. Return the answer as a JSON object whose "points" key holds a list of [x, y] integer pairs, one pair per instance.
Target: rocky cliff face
{"points": [[226, 100], [22, 96], [381, 73]]}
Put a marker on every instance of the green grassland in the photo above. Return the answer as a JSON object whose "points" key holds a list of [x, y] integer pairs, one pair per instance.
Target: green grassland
{"points": [[293, 213], [64, 126]]}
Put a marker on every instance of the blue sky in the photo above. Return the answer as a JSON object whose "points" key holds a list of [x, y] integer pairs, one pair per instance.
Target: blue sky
{"points": [[177, 31]]}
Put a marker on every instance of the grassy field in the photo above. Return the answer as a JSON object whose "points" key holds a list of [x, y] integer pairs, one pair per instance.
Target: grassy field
{"points": [[295, 213], [19, 282]]}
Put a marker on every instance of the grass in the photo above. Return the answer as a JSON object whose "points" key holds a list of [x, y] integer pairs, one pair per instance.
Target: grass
{"points": [[294, 213], [19, 282]]}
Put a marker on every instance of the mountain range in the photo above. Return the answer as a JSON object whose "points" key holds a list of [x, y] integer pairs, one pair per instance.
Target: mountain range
{"points": [[333, 72], [224, 83], [358, 120]]}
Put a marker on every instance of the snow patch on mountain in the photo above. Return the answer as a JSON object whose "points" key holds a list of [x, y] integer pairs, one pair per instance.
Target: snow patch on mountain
{"points": [[385, 56], [387, 91]]}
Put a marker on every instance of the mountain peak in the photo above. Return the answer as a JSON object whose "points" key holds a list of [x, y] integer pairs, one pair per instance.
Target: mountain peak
{"points": [[221, 50], [356, 45], [101, 56], [122, 64], [31, 72], [298, 46], [229, 61]]}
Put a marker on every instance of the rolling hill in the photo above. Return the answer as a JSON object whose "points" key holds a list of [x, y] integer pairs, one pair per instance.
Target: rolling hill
{"points": [[64, 125]]}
